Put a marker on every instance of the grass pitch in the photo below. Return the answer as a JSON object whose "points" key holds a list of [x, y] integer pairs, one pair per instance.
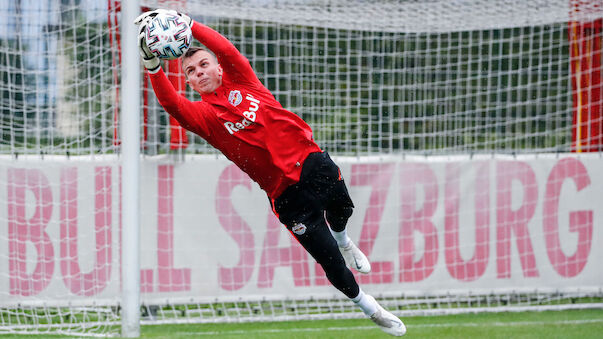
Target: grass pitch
{"points": [[563, 324], [582, 324]]}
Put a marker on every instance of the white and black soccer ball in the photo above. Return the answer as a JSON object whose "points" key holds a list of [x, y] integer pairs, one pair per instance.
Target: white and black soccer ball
{"points": [[168, 36]]}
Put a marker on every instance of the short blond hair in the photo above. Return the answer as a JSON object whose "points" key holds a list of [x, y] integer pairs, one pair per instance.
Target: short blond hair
{"points": [[193, 50]]}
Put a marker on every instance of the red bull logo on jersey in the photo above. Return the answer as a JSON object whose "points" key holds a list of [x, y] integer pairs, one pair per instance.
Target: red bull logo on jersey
{"points": [[249, 115]]}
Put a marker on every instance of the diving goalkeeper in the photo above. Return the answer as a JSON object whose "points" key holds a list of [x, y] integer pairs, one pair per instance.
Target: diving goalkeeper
{"points": [[242, 119]]}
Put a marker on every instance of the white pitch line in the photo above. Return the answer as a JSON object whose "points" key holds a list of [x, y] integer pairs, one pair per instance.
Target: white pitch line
{"points": [[347, 328]]}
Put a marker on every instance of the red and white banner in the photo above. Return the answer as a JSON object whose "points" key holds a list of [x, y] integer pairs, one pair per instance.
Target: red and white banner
{"points": [[427, 224]]}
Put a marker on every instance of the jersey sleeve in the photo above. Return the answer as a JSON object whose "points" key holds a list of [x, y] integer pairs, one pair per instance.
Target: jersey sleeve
{"points": [[185, 111], [232, 61]]}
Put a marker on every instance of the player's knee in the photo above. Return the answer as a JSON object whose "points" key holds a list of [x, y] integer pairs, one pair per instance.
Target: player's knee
{"points": [[346, 212], [338, 218]]}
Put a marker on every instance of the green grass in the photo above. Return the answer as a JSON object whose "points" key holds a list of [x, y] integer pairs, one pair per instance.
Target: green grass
{"points": [[582, 324]]}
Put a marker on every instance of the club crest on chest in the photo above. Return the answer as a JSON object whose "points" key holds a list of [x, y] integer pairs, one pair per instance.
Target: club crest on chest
{"points": [[235, 97]]}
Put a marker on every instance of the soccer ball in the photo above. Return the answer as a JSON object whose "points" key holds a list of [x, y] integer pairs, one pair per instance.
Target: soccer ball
{"points": [[168, 36]]}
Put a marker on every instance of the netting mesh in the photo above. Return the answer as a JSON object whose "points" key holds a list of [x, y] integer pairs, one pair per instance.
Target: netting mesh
{"points": [[453, 122], [418, 79], [58, 78]]}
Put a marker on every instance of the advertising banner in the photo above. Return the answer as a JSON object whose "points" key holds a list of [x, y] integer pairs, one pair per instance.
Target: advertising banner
{"points": [[428, 225]]}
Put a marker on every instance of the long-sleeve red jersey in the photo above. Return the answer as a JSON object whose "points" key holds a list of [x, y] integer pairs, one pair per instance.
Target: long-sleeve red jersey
{"points": [[242, 119]]}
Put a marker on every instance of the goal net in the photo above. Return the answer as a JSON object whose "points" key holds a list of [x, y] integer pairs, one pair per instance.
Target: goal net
{"points": [[469, 134]]}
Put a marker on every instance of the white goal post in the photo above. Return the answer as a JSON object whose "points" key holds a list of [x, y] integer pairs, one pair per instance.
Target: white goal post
{"points": [[469, 134]]}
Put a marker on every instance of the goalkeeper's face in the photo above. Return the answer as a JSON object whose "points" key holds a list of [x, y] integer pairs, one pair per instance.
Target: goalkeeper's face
{"points": [[203, 73]]}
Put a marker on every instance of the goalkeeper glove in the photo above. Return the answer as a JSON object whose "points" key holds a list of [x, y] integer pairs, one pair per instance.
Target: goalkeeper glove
{"points": [[147, 16], [149, 60]]}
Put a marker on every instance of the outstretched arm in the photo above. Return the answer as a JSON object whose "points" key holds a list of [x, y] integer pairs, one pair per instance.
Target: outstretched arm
{"points": [[189, 114], [175, 104]]}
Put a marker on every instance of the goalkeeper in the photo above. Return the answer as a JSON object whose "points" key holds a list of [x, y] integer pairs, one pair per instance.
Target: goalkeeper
{"points": [[242, 119]]}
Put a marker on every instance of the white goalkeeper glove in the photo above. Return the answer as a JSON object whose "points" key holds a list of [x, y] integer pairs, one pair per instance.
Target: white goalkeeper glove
{"points": [[147, 16], [149, 60]]}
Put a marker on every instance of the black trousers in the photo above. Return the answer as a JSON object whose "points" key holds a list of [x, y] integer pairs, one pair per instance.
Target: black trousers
{"points": [[305, 207]]}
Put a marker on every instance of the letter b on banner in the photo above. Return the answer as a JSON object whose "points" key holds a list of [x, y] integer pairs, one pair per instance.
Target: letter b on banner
{"points": [[415, 220], [22, 231]]}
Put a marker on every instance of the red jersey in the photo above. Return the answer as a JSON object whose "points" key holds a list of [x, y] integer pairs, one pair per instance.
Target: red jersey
{"points": [[242, 119]]}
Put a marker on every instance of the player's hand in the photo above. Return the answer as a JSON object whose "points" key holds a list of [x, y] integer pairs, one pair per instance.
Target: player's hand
{"points": [[149, 60], [147, 16]]}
